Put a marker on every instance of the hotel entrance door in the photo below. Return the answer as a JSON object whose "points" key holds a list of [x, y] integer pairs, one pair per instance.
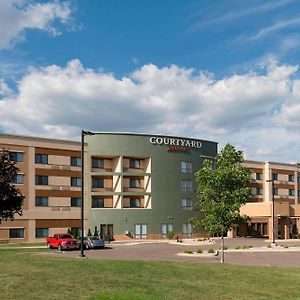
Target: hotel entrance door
{"points": [[106, 232]]}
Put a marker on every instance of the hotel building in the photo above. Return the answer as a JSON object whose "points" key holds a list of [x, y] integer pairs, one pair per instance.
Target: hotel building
{"points": [[286, 192], [49, 178], [136, 185]]}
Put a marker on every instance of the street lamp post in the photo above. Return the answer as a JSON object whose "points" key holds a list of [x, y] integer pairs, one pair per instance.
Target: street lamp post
{"points": [[273, 213], [83, 134]]}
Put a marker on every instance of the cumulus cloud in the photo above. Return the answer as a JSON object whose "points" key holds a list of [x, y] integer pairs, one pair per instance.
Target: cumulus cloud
{"points": [[242, 109], [16, 16]]}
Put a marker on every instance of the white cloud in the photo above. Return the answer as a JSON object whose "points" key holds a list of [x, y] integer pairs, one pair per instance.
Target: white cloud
{"points": [[251, 110], [17, 16], [278, 26]]}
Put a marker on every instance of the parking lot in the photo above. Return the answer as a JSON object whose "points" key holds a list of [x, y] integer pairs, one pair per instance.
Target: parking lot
{"points": [[258, 254]]}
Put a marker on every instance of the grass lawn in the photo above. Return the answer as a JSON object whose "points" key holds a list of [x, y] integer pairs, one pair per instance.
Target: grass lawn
{"points": [[31, 275]]}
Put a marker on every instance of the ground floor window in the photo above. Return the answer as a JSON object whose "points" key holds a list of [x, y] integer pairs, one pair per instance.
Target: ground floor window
{"points": [[16, 233], [41, 232], [140, 231], [187, 230], [165, 229]]}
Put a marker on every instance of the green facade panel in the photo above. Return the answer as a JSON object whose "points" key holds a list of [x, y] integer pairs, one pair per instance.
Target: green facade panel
{"points": [[166, 154]]}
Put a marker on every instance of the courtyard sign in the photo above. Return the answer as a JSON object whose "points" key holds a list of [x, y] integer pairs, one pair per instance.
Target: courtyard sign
{"points": [[174, 142]]}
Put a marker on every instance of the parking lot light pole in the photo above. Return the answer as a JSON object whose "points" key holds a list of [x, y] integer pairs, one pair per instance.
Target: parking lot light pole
{"points": [[83, 134], [273, 213]]}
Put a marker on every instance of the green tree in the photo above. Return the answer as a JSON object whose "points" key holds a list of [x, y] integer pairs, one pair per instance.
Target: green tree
{"points": [[11, 199], [96, 231], [222, 191], [89, 232]]}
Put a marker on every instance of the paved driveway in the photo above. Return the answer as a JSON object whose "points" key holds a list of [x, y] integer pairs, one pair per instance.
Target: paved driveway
{"points": [[164, 251]]}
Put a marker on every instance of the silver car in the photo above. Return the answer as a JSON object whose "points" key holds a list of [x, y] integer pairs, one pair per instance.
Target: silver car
{"points": [[92, 242]]}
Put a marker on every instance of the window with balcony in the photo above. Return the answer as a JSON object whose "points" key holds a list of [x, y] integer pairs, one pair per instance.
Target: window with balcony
{"points": [[41, 232], [186, 185], [97, 163], [19, 179], [76, 161], [16, 156], [97, 183], [41, 201], [291, 192], [135, 183], [291, 178], [274, 176], [134, 164], [186, 167], [41, 159], [258, 176], [135, 202], [186, 203], [76, 202], [16, 233], [75, 181], [97, 202], [41, 180], [258, 191]]}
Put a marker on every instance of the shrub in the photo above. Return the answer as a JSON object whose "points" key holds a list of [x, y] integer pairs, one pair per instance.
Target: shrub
{"points": [[211, 250], [269, 246], [188, 252], [246, 247], [225, 248], [89, 232], [170, 235], [285, 246], [237, 247], [199, 251]]}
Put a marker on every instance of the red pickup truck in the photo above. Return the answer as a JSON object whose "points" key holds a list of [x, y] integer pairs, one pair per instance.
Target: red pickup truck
{"points": [[62, 241]]}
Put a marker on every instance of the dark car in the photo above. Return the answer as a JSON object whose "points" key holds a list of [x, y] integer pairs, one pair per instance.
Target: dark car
{"points": [[92, 242]]}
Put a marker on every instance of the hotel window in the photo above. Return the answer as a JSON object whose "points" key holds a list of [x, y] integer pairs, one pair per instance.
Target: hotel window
{"points": [[187, 230], [258, 191], [16, 233], [19, 179], [291, 192], [76, 161], [97, 202], [135, 202], [16, 156], [97, 183], [298, 193], [41, 159], [76, 202], [275, 191], [186, 167], [258, 176], [98, 163], [186, 185], [186, 203], [41, 201], [41, 232], [291, 178], [41, 180], [135, 183], [134, 164], [140, 231], [165, 229], [274, 176], [298, 179], [75, 181]]}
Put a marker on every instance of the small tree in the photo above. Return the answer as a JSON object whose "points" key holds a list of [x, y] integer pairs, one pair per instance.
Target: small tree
{"points": [[222, 191], [89, 232], [96, 231], [11, 199]]}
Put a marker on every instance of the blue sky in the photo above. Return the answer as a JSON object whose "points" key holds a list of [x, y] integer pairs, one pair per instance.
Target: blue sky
{"points": [[218, 70]]}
